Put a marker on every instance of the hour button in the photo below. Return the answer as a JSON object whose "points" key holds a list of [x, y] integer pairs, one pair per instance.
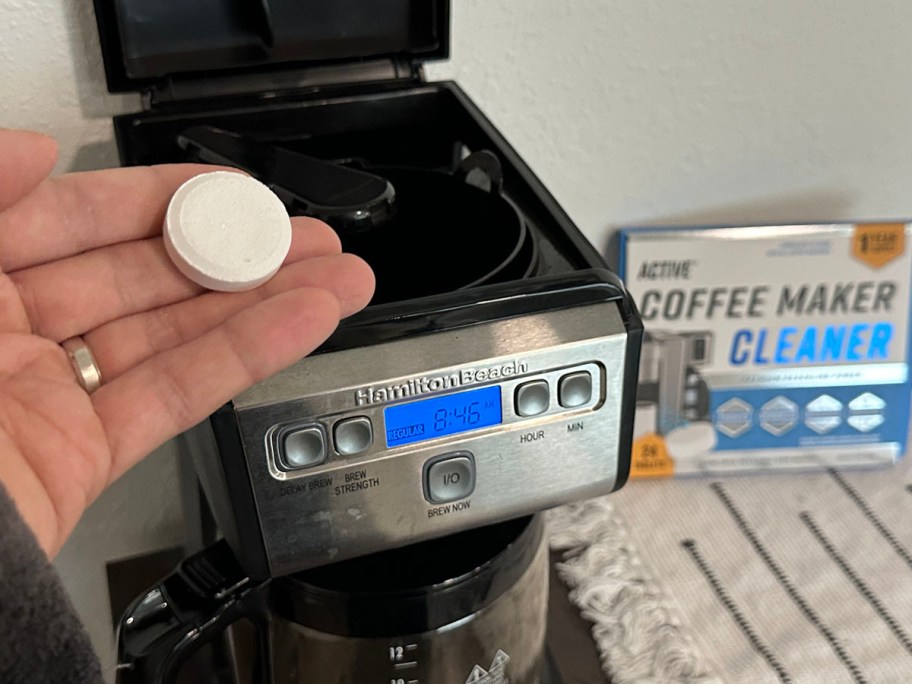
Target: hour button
{"points": [[532, 398]]}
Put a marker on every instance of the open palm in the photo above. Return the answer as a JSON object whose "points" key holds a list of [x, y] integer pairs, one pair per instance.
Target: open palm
{"points": [[81, 254]]}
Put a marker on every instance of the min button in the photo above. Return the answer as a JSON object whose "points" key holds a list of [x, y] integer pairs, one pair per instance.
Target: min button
{"points": [[575, 389]]}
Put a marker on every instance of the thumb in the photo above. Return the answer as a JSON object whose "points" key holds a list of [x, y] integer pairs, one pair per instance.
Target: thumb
{"points": [[26, 159]]}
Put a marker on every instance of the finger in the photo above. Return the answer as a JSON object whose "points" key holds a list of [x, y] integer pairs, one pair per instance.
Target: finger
{"points": [[79, 293], [26, 159], [13, 317], [120, 345], [81, 211], [176, 389]]}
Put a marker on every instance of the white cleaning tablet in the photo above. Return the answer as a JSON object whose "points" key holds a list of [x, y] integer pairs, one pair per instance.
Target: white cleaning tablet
{"points": [[689, 441], [227, 231]]}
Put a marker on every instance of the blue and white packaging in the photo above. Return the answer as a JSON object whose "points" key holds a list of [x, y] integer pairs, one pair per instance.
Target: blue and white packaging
{"points": [[770, 347]]}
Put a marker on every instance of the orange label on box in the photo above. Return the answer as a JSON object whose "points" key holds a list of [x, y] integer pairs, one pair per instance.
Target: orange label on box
{"points": [[878, 243], [650, 458]]}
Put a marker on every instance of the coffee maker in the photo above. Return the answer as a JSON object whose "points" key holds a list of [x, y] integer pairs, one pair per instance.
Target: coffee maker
{"points": [[670, 379], [377, 506]]}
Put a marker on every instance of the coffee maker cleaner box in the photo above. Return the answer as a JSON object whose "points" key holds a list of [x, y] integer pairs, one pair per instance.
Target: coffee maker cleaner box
{"points": [[769, 347]]}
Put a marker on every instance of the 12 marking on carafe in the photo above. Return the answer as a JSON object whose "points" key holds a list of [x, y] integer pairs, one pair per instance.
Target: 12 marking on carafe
{"points": [[397, 656]]}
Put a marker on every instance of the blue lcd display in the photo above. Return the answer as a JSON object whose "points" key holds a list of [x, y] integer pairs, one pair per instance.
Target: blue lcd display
{"points": [[447, 415]]}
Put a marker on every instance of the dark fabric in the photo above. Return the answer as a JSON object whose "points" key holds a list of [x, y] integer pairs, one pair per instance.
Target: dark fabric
{"points": [[41, 637]]}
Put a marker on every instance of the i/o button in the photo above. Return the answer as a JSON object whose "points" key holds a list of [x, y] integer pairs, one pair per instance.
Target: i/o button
{"points": [[450, 477]]}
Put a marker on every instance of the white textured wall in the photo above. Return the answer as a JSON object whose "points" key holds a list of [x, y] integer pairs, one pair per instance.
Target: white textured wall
{"points": [[630, 111]]}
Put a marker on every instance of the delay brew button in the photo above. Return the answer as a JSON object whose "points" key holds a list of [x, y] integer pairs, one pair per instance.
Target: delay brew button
{"points": [[449, 478], [575, 389], [303, 447], [532, 398], [353, 435]]}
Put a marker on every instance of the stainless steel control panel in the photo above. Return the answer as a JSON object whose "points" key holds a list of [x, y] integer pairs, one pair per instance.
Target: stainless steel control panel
{"points": [[363, 449], [315, 444]]}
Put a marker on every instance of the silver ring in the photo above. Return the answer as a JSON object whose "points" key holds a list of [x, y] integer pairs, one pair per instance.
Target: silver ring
{"points": [[83, 361]]}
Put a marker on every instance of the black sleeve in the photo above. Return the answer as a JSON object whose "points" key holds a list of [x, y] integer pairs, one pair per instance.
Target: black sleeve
{"points": [[41, 637]]}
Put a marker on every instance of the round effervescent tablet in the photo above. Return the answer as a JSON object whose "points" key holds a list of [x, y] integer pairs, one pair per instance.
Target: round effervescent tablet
{"points": [[691, 440], [227, 231]]}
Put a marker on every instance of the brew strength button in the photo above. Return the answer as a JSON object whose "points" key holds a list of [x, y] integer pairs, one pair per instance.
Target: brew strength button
{"points": [[303, 448], [575, 389], [449, 478], [354, 435], [533, 398]]}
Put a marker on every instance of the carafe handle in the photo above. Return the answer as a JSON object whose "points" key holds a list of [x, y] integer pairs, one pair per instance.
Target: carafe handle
{"points": [[161, 629]]}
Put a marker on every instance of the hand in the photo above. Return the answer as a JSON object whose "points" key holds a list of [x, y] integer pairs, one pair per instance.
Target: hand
{"points": [[81, 254]]}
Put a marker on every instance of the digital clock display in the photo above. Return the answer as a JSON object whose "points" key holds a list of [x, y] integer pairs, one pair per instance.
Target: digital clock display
{"points": [[447, 415]]}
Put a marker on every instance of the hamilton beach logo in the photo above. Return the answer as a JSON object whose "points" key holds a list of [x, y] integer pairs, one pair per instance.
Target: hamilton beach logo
{"points": [[496, 674], [436, 383]]}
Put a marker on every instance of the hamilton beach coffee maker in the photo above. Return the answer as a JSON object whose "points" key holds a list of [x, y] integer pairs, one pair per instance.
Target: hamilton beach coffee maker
{"points": [[377, 506]]}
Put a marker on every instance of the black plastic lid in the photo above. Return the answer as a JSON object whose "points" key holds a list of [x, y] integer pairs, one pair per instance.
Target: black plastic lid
{"points": [[413, 589], [147, 41]]}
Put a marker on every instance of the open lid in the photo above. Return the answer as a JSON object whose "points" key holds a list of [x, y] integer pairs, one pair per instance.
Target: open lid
{"points": [[146, 42]]}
